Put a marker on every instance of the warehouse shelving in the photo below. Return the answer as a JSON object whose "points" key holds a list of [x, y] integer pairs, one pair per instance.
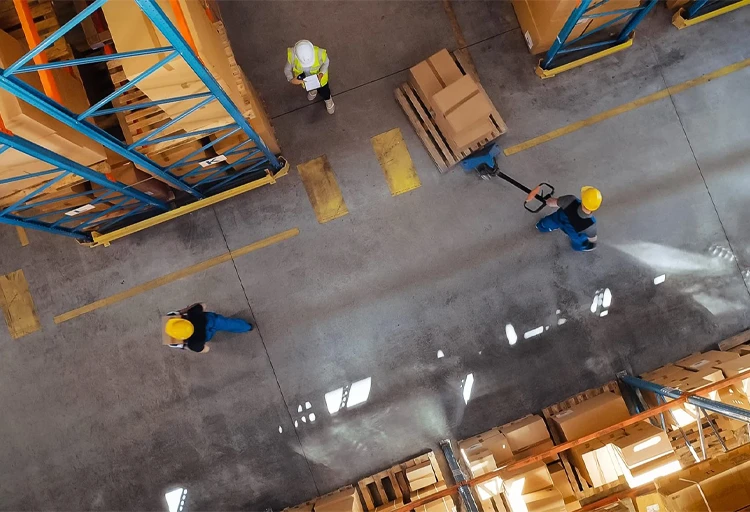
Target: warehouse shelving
{"points": [[593, 44], [698, 11], [186, 159]]}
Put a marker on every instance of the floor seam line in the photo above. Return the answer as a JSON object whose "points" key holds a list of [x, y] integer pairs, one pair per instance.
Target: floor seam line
{"points": [[698, 165], [292, 111], [265, 349]]}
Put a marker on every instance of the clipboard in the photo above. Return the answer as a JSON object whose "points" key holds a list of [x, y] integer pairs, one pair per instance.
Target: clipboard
{"points": [[311, 82]]}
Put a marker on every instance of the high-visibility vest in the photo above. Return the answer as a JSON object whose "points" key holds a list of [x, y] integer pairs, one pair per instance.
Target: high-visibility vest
{"points": [[297, 69]]}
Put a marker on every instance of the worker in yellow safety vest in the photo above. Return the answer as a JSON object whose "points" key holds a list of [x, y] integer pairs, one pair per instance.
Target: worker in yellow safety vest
{"points": [[307, 65]]}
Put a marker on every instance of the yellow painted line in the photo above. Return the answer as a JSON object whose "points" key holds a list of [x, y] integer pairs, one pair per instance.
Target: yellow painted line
{"points": [[398, 167], [22, 236], [174, 276], [680, 22], [627, 107], [322, 189], [17, 305], [108, 238], [549, 73]]}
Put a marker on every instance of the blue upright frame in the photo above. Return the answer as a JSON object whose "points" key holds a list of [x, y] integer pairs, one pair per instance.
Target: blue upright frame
{"points": [[700, 7], [562, 46], [198, 177], [111, 205]]}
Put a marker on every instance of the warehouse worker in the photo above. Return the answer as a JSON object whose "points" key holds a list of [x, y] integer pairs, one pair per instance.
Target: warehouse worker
{"points": [[306, 60], [574, 217], [193, 327]]}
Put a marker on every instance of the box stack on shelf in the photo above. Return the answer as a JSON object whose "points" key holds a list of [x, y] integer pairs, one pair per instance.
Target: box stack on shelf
{"points": [[449, 109], [542, 20], [46, 23]]}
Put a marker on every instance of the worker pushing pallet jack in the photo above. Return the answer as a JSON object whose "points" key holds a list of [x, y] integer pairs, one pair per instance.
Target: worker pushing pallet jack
{"points": [[574, 216]]}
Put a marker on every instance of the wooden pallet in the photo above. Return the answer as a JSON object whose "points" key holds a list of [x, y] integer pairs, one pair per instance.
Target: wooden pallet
{"points": [[735, 341], [389, 489], [46, 23], [422, 120], [581, 487], [597, 493], [732, 439]]}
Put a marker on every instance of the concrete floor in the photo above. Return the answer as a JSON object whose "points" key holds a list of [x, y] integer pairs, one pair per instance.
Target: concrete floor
{"points": [[99, 416]]}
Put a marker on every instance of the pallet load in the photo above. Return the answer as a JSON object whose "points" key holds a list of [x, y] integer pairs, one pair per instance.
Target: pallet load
{"points": [[532, 489], [449, 109], [542, 20], [46, 22], [345, 499]]}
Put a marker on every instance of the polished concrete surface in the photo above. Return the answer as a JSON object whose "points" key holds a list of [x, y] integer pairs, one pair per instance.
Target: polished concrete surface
{"points": [[99, 416]]}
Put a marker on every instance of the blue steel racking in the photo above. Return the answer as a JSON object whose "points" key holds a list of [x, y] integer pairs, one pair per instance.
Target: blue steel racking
{"points": [[196, 176], [697, 11], [565, 55]]}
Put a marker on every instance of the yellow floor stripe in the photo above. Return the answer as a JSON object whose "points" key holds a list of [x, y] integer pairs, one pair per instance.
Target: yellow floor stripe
{"points": [[322, 189], [17, 304], [22, 236], [174, 276], [627, 107], [393, 155]]}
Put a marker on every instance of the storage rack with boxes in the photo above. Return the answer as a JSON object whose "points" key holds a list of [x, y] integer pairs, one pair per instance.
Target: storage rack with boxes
{"points": [[193, 129]]}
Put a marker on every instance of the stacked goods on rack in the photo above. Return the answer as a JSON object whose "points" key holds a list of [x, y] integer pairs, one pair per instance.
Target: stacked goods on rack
{"points": [[449, 109], [542, 20], [341, 500], [45, 20], [132, 30]]}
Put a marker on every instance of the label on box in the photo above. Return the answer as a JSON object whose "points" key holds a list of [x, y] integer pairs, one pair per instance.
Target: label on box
{"points": [[653, 508], [527, 36], [80, 209], [211, 161], [700, 364]]}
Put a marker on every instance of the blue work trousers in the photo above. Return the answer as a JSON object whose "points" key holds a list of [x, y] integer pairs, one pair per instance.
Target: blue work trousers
{"points": [[216, 323], [558, 220]]}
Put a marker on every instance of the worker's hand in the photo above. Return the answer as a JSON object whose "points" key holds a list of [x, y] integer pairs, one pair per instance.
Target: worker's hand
{"points": [[295, 81], [205, 350], [320, 77], [552, 202]]}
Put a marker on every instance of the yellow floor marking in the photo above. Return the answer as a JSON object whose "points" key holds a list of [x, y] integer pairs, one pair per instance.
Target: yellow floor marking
{"points": [[18, 306], [393, 155], [627, 107], [174, 276], [22, 236], [322, 189]]}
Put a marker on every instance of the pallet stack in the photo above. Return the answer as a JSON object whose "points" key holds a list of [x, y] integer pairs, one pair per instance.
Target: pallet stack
{"points": [[449, 109], [45, 20]]}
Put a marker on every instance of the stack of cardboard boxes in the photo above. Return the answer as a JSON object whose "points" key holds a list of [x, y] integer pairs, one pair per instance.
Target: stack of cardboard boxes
{"points": [[532, 489], [542, 20], [342, 500], [458, 104]]}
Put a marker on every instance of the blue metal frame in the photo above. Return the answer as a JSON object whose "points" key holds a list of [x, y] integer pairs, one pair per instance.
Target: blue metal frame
{"points": [[562, 46], [698, 8], [114, 197], [173, 174]]}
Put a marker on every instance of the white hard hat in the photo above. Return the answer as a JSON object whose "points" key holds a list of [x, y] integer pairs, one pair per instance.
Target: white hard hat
{"points": [[305, 52]]}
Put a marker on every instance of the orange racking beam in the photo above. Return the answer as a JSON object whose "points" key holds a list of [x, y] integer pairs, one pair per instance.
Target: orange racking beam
{"points": [[32, 38]]}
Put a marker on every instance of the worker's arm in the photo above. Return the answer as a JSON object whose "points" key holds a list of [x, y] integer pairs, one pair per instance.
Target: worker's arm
{"points": [[552, 202], [590, 232], [289, 76], [324, 65]]}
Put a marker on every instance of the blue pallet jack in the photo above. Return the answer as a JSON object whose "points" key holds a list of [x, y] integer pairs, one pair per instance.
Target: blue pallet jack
{"points": [[484, 163]]}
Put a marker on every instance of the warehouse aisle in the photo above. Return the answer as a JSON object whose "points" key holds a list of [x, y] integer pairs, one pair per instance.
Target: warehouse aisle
{"points": [[403, 298]]}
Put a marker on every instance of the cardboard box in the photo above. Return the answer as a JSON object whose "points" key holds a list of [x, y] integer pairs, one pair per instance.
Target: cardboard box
{"points": [[487, 490], [641, 443], [596, 462], [652, 502], [525, 432], [708, 359], [591, 415], [737, 367], [732, 395], [537, 449], [651, 470], [459, 107], [547, 500], [742, 350], [528, 479], [561, 482], [444, 504], [419, 471], [493, 440], [724, 484], [345, 500], [433, 75], [423, 482], [481, 462], [661, 373]]}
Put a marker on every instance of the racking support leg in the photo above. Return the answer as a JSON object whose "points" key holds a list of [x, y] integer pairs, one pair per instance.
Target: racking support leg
{"points": [[458, 475]]}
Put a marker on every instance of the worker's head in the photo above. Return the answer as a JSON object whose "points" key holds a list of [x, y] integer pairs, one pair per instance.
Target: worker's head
{"points": [[179, 328], [591, 198], [305, 52]]}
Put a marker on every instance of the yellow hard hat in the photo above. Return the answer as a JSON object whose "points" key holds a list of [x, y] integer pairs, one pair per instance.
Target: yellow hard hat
{"points": [[591, 198], [179, 328]]}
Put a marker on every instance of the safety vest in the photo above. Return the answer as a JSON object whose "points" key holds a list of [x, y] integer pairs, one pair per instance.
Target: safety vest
{"points": [[297, 69]]}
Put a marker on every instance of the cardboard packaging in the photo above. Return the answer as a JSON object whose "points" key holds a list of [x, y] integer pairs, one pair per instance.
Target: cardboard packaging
{"points": [[547, 500], [531, 478], [481, 462], [127, 174], [736, 367], [685, 380], [708, 359], [345, 500], [742, 350], [462, 112], [591, 415], [493, 440], [652, 502], [642, 443], [421, 475], [661, 373], [649, 471], [433, 75], [537, 449], [732, 395], [525, 432], [721, 483], [444, 504]]}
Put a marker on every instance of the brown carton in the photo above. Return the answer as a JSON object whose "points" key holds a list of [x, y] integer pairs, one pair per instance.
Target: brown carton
{"points": [[547, 500], [530, 478], [643, 442], [525, 432], [537, 449], [433, 75], [492, 440], [460, 106], [661, 373], [345, 500], [708, 359], [736, 367], [591, 415], [561, 482]]}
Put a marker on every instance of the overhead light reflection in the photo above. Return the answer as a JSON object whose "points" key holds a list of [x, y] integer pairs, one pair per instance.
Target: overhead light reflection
{"points": [[468, 384], [660, 279], [510, 333], [440, 354], [533, 332], [359, 392], [176, 499]]}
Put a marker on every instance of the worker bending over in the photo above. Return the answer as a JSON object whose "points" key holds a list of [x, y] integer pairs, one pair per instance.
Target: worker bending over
{"points": [[307, 60], [574, 217], [193, 327]]}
